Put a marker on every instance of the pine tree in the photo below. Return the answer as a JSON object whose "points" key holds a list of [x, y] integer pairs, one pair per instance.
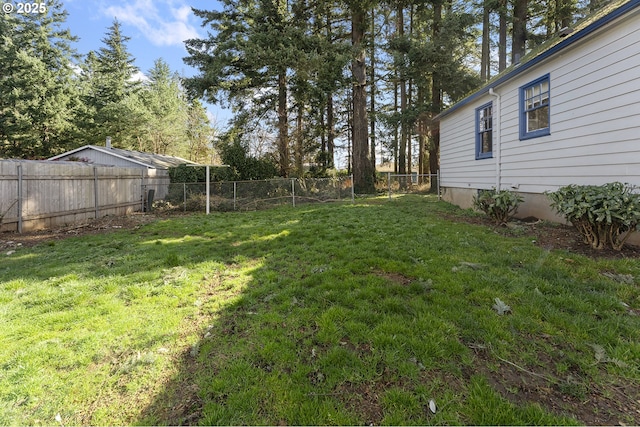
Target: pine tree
{"points": [[38, 98], [166, 112], [115, 68], [247, 61], [200, 135], [113, 96], [363, 169]]}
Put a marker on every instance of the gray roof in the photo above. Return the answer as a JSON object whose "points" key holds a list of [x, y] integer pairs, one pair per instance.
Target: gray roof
{"points": [[150, 160]]}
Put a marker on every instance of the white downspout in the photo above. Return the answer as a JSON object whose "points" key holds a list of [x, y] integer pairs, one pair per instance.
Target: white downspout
{"points": [[497, 130]]}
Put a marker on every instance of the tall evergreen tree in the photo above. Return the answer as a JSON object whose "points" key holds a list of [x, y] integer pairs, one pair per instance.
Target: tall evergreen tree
{"points": [[38, 100], [166, 112], [247, 60], [113, 96], [200, 135], [363, 169]]}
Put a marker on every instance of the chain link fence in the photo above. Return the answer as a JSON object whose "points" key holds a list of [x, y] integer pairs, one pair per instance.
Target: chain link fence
{"points": [[248, 195], [394, 184]]}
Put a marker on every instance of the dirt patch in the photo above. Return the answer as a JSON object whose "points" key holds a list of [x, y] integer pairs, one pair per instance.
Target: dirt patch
{"points": [[570, 395], [364, 399], [548, 235], [397, 278], [107, 224]]}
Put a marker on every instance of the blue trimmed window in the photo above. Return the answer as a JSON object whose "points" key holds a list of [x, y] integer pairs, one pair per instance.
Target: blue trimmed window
{"points": [[534, 108], [484, 131]]}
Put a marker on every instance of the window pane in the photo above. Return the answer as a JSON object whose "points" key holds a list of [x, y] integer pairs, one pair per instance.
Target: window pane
{"points": [[532, 120], [545, 99], [543, 117], [538, 119], [486, 142], [545, 86]]}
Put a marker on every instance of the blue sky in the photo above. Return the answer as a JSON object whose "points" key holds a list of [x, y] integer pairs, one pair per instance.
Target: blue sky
{"points": [[157, 29]]}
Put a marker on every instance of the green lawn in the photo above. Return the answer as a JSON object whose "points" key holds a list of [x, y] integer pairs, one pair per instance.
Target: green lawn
{"points": [[328, 314]]}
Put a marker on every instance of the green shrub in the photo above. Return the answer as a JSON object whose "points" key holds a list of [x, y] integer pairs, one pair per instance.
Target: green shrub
{"points": [[605, 215], [499, 205]]}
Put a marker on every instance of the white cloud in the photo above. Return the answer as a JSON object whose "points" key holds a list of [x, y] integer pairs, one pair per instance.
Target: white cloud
{"points": [[159, 21], [139, 77], [182, 13]]}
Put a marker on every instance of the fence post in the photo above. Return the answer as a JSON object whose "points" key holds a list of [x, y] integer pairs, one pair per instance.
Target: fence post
{"points": [[438, 185], [293, 191], [353, 191], [184, 196], [389, 183], [95, 190], [143, 189], [208, 190], [20, 198], [235, 192]]}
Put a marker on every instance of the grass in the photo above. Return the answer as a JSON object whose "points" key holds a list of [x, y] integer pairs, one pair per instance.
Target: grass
{"points": [[331, 314]]}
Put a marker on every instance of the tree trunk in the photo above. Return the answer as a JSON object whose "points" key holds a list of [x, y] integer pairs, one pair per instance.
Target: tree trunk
{"points": [[299, 153], [362, 167], [436, 101], [329, 161], [396, 139], [502, 36], [485, 65], [519, 30], [372, 95], [331, 132], [410, 129], [350, 136], [402, 150], [411, 124], [283, 125], [421, 135], [566, 14]]}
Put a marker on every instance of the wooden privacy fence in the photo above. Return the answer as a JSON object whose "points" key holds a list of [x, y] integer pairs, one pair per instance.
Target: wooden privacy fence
{"points": [[41, 194]]}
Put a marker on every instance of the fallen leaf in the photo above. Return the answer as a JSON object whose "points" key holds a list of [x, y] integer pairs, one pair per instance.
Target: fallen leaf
{"points": [[501, 307]]}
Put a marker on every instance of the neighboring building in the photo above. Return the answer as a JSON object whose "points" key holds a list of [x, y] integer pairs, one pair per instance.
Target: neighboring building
{"points": [[156, 166], [569, 113]]}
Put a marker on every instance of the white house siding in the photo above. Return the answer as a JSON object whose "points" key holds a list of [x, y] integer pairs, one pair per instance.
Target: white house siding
{"points": [[595, 116], [458, 165], [594, 121]]}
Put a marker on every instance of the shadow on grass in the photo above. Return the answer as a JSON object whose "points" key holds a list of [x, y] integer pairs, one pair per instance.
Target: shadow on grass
{"points": [[278, 351]]}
